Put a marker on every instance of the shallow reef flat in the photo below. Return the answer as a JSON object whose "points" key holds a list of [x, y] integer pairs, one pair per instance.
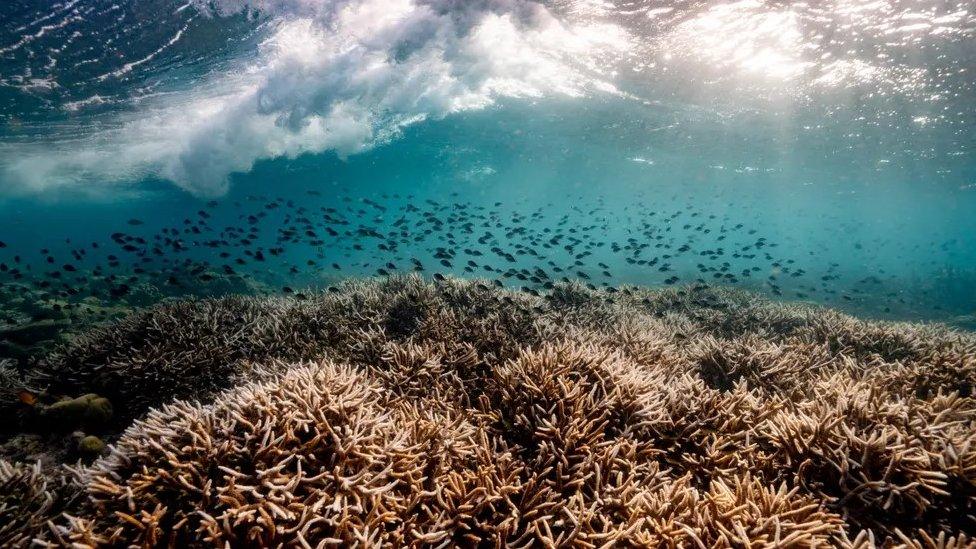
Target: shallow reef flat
{"points": [[402, 411]]}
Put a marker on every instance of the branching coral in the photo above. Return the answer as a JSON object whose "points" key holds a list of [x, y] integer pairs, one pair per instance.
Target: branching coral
{"points": [[318, 455], [13, 384], [404, 412], [29, 497]]}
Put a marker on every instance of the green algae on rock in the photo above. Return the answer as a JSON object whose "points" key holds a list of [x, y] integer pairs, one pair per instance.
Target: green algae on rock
{"points": [[88, 410], [90, 446]]}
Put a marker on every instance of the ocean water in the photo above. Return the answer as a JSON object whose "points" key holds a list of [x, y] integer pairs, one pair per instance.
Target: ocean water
{"points": [[820, 152]]}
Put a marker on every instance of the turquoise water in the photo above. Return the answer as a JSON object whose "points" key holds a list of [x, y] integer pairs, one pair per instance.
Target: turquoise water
{"points": [[819, 153]]}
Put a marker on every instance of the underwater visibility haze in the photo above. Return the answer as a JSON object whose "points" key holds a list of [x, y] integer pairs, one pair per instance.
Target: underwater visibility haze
{"points": [[770, 205], [815, 152]]}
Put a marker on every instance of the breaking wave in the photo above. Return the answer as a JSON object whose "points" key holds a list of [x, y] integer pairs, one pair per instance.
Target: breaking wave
{"points": [[94, 92], [340, 76]]}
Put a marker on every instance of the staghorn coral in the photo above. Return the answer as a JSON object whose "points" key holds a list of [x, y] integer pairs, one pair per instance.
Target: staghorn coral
{"points": [[13, 382], [193, 348], [404, 412], [29, 496], [319, 454]]}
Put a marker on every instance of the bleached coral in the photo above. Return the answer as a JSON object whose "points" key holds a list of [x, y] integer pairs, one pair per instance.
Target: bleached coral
{"points": [[28, 498], [400, 411]]}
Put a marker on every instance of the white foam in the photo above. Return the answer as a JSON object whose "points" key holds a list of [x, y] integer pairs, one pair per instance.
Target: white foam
{"points": [[128, 67], [341, 76], [94, 100], [28, 38]]}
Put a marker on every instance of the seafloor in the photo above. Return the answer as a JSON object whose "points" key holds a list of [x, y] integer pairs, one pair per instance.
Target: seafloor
{"points": [[401, 411]]}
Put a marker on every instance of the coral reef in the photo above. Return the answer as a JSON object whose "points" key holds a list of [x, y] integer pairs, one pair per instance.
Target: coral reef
{"points": [[13, 382], [401, 411], [29, 497]]}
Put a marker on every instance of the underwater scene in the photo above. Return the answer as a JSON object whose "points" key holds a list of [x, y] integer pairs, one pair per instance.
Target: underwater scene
{"points": [[438, 273]]}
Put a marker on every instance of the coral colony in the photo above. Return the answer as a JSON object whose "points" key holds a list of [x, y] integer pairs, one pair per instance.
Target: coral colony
{"points": [[487, 273], [407, 412]]}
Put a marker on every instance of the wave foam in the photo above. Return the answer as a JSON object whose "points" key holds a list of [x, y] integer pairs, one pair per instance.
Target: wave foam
{"points": [[341, 76]]}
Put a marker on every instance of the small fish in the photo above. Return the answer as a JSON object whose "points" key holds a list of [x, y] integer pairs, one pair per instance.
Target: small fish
{"points": [[26, 397]]}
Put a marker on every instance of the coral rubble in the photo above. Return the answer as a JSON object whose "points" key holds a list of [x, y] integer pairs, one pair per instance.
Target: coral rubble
{"points": [[406, 412]]}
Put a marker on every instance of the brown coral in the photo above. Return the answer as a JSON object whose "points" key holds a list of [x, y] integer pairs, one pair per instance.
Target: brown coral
{"points": [[29, 496], [403, 412]]}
